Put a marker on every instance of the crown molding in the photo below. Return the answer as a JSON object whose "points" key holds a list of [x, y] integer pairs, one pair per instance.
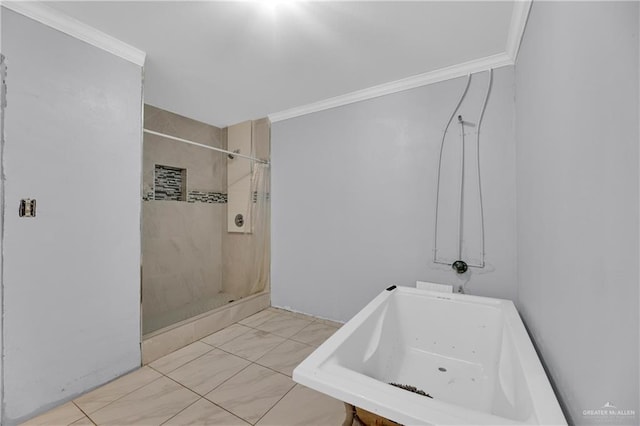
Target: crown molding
{"points": [[68, 25], [519, 18], [517, 25], [466, 68]]}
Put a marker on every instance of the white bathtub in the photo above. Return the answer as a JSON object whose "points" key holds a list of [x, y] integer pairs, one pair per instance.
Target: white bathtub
{"points": [[471, 354]]}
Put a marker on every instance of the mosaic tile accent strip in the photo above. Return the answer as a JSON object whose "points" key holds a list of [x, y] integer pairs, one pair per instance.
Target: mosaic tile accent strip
{"points": [[169, 183], [255, 196], [207, 197], [201, 197]]}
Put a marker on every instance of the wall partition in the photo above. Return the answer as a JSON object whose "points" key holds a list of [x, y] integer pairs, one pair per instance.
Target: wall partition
{"points": [[71, 270]]}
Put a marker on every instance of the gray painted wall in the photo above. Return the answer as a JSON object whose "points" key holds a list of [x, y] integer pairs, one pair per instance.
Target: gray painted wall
{"points": [[1, 227], [72, 274], [577, 172], [353, 192]]}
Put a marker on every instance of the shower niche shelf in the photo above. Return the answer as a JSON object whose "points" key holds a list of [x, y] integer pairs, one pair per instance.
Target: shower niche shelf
{"points": [[170, 183]]}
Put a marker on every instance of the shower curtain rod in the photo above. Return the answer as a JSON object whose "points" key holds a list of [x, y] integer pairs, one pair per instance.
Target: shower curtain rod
{"points": [[235, 154]]}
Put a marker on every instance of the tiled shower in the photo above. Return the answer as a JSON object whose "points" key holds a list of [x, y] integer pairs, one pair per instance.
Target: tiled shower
{"points": [[191, 264]]}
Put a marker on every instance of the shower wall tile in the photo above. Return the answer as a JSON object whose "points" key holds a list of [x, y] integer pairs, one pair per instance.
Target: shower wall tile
{"points": [[239, 140], [203, 168], [262, 138], [208, 168], [181, 240], [167, 122], [225, 145], [182, 254]]}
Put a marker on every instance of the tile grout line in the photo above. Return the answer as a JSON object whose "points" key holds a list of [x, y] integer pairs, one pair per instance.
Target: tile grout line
{"points": [[292, 316], [269, 351], [251, 362], [291, 377], [234, 338], [256, 361], [207, 399], [225, 342], [203, 397], [285, 314], [282, 337], [314, 320], [263, 366], [238, 356], [218, 385], [275, 371], [181, 365], [224, 409], [119, 398], [285, 337], [277, 402], [181, 410], [255, 325], [311, 344], [83, 412], [108, 383]]}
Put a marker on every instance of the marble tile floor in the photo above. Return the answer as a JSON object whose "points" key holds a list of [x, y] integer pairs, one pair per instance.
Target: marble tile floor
{"points": [[240, 375]]}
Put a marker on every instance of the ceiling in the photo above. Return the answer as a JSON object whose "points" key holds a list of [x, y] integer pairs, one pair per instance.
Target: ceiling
{"points": [[226, 62]]}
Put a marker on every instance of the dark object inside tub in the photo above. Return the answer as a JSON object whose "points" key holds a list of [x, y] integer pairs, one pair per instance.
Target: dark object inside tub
{"points": [[411, 389]]}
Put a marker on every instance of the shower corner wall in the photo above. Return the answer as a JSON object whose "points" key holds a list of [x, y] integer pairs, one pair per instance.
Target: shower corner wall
{"points": [[193, 270], [236, 271]]}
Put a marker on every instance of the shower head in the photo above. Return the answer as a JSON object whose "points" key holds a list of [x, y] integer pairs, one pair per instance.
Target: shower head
{"points": [[466, 123]]}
